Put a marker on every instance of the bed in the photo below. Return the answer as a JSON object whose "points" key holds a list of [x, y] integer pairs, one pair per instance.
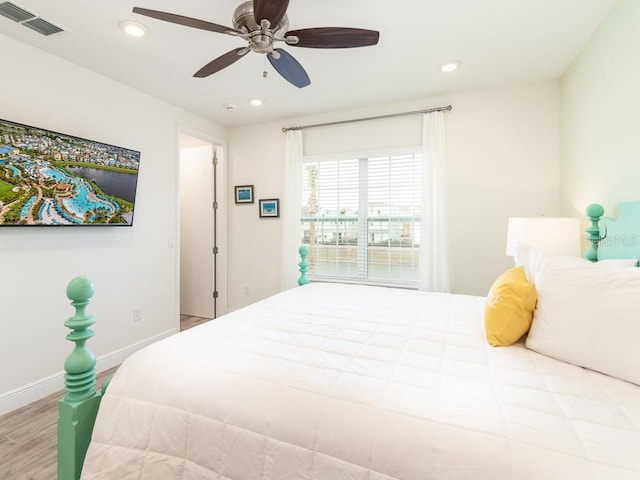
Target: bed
{"points": [[331, 381]]}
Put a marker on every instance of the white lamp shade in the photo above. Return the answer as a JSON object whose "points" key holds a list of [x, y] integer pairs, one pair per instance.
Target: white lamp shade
{"points": [[552, 235]]}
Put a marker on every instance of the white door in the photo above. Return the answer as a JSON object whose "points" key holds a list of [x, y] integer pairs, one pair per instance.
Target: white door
{"points": [[197, 228]]}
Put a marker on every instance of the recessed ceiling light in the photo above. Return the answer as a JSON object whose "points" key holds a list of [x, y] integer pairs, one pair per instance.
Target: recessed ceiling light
{"points": [[256, 102], [451, 66], [132, 28]]}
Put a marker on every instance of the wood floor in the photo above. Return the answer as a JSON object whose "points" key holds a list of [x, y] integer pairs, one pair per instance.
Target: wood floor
{"points": [[28, 435]]}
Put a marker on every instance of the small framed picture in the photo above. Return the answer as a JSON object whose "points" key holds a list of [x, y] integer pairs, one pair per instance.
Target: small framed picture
{"points": [[269, 207], [244, 193]]}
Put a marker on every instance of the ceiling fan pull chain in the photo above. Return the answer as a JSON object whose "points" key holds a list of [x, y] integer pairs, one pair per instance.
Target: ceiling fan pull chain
{"points": [[265, 73]]}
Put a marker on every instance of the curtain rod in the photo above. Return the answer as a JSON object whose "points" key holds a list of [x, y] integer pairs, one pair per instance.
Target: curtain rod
{"points": [[391, 115]]}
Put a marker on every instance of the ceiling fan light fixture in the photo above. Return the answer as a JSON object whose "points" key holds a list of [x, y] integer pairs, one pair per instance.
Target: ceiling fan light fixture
{"points": [[450, 66], [133, 29], [261, 28]]}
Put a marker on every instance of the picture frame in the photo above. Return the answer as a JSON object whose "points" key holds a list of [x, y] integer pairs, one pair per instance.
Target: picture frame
{"points": [[269, 207], [244, 193]]}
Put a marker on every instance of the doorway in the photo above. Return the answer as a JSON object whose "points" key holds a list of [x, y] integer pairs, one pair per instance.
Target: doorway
{"points": [[198, 225]]}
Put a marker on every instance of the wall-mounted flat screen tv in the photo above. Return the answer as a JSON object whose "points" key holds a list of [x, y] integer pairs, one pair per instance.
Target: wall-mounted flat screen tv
{"points": [[49, 178]]}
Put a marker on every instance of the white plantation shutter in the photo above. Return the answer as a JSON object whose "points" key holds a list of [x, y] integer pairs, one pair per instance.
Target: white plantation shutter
{"points": [[361, 218], [394, 196]]}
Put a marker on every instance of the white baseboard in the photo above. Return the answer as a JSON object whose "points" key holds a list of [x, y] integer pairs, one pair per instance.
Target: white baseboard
{"points": [[34, 391]]}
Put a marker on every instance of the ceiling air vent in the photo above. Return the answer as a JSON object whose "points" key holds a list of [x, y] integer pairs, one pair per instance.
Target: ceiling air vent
{"points": [[42, 26], [15, 13], [28, 19]]}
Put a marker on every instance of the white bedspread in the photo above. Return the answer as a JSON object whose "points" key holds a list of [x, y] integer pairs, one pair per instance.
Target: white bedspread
{"points": [[362, 383]]}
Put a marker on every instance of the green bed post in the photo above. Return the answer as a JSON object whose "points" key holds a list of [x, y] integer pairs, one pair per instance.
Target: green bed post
{"points": [[304, 266], [594, 212], [78, 408]]}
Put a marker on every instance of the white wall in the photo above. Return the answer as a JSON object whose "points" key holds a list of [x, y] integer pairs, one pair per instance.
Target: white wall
{"points": [[130, 266], [254, 157], [600, 92], [503, 155]]}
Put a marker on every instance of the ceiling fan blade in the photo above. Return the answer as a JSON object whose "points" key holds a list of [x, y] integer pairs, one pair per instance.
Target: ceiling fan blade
{"points": [[221, 62], [272, 10], [289, 68], [334, 37], [181, 20]]}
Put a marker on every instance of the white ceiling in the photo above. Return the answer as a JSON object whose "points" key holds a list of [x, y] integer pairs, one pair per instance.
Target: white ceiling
{"points": [[499, 42]]}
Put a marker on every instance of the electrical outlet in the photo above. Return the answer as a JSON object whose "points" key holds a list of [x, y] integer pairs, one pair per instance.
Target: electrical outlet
{"points": [[137, 314]]}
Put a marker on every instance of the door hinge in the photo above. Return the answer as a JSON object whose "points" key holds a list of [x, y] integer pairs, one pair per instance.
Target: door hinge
{"points": [[215, 161], [215, 205], [215, 250], [215, 294]]}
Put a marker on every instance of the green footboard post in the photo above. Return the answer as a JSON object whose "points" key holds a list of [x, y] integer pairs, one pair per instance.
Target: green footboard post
{"points": [[304, 266], [77, 410], [594, 212]]}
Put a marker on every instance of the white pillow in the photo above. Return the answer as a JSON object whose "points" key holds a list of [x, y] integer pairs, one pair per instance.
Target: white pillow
{"points": [[531, 258], [619, 262], [588, 315]]}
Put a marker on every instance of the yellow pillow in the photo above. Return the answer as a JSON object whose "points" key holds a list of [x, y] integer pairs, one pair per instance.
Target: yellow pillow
{"points": [[509, 307]]}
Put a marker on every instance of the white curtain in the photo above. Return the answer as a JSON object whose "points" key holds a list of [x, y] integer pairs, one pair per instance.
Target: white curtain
{"points": [[290, 210], [434, 251]]}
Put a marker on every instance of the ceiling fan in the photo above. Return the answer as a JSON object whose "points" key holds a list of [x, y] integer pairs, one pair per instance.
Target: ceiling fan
{"points": [[262, 23]]}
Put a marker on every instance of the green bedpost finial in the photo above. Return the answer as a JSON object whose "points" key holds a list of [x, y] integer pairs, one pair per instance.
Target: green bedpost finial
{"points": [[594, 212], [77, 410], [304, 266], [80, 377]]}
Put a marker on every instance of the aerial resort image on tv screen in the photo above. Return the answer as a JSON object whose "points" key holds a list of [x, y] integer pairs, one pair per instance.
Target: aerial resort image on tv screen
{"points": [[49, 178]]}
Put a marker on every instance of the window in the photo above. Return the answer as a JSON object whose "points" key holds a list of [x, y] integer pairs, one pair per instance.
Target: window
{"points": [[361, 218]]}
